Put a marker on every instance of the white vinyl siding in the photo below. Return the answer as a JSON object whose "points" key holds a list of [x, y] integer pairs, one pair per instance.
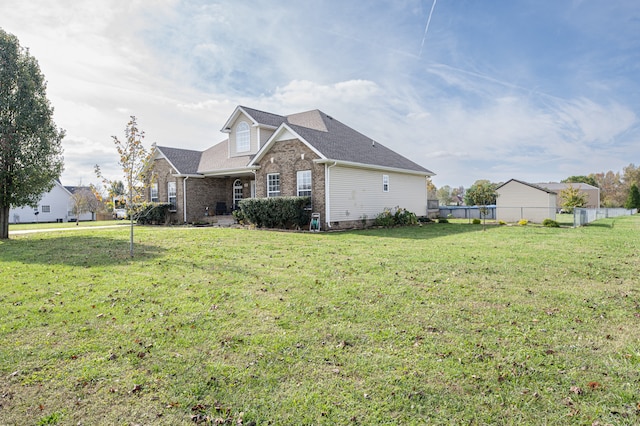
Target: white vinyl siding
{"points": [[357, 192]]}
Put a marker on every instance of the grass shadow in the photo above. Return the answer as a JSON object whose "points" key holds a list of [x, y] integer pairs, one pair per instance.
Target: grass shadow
{"points": [[424, 232], [75, 250]]}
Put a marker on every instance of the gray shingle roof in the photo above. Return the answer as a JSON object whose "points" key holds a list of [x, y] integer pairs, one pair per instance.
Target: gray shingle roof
{"points": [[186, 161], [333, 139], [342, 143]]}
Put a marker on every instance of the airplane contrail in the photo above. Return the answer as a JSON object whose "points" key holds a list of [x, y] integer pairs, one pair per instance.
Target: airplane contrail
{"points": [[426, 28]]}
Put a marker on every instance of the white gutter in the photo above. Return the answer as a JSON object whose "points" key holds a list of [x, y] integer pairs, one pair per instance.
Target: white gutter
{"points": [[184, 197], [371, 167], [327, 192]]}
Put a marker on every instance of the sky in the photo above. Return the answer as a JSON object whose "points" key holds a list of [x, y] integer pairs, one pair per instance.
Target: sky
{"points": [[536, 90]]}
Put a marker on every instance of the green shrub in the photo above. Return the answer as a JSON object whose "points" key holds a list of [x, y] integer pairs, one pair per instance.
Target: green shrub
{"points": [[238, 215], [276, 212], [476, 221], [443, 220], [550, 223], [401, 217], [424, 219], [152, 213], [523, 222], [502, 222], [385, 219], [404, 217]]}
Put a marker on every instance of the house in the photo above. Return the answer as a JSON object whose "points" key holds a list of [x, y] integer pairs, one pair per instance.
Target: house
{"points": [[592, 192], [54, 206], [349, 177], [521, 200]]}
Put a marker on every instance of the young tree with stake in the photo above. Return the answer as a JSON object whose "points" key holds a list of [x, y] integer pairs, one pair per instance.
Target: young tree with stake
{"points": [[135, 161]]}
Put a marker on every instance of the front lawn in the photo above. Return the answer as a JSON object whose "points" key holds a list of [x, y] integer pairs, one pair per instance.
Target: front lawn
{"points": [[439, 324]]}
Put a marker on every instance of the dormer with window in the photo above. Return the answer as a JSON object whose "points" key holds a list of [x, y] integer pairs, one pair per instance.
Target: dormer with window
{"points": [[247, 132]]}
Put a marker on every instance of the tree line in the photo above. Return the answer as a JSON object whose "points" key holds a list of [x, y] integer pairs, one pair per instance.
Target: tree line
{"points": [[617, 189]]}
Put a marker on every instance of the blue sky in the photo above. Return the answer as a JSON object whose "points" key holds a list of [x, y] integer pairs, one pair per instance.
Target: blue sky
{"points": [[536, 90]]}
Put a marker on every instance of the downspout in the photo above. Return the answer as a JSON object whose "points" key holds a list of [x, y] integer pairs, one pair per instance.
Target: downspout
{"points": [[327, 192], [184, 198]]}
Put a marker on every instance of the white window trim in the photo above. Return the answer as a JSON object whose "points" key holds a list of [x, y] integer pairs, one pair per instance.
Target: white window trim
{"points": [[385, 183], [153, 194], [272, 193], [246, 146], [237, 184], [175, 195], [301, 183]]}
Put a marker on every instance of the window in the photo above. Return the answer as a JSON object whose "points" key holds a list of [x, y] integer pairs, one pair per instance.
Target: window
{"points": [[243, 137], [273, 185], [385, 183], [304, 183], [237, 193], [154, 193], [171, 196], [45, 209]]}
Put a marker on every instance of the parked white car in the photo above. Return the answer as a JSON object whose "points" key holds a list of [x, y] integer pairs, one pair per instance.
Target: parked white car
{"points": [[120, 214]]}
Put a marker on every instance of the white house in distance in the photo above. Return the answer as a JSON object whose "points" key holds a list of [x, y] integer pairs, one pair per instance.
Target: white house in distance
{"points": [[54, 206], [521, 200]]}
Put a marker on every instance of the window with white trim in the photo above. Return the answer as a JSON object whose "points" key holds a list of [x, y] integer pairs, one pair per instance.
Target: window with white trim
{"points": [[273, 185], [243, 137], [237, 193], [385, 183], [172, 198], [154, 193], [304, 183]]}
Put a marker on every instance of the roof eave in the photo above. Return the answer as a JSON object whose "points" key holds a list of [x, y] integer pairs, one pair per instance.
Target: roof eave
{"points": [[373, 167]]}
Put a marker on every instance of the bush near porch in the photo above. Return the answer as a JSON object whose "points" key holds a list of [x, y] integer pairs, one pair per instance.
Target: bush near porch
{"points": [[276, 212]]}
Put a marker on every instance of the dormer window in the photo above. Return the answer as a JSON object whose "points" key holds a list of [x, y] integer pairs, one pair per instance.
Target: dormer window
{"points": [[243, 137]]}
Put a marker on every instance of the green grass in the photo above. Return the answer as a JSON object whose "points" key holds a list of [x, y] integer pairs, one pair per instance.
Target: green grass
{"points": [[439, 324], [49, 225]]}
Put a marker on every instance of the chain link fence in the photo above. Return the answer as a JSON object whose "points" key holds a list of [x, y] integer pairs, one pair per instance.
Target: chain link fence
{"points": [[584, 216]]}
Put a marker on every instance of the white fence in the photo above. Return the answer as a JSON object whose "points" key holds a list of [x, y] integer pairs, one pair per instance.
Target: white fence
{"points": [[584, 216]]}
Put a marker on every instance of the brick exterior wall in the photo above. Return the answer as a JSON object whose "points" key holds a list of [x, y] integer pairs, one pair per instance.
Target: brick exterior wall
{"points": [[288, 160], [201, 193]]}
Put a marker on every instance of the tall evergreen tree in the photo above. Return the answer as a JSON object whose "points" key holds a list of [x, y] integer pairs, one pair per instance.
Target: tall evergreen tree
{"points": [[30, 143], [633, 201]]}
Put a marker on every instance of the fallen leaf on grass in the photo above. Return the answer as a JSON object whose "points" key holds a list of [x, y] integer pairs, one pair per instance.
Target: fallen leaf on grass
{"points": [[594, 385], [576, 389]]}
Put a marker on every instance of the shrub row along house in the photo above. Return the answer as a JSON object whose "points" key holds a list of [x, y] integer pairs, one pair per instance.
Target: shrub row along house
{"points": [[349, 177]]}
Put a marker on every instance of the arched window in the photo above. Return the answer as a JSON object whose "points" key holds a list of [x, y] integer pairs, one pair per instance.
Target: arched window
{"points": [[237, 193], [243, 137]]}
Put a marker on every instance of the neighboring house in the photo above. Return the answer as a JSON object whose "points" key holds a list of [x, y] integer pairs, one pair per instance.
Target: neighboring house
{"points": [[349, 176], [592, 192], [521, 200], [54, 206]]}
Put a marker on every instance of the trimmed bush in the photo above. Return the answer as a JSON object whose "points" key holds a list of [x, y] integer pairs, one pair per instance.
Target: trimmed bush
{"points": [[276, 212], [523, 222], [476, 221], [442, 220], [550, 223], [152, 214]]}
